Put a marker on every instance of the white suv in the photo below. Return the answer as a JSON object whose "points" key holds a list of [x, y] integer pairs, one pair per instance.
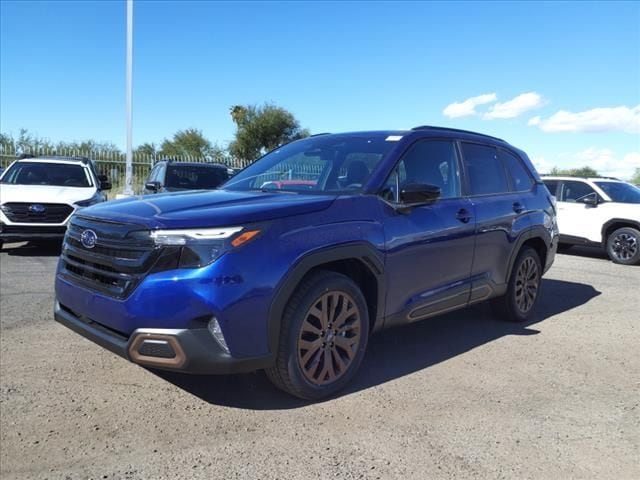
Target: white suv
{"points": [[599, 211], [39, 195]]}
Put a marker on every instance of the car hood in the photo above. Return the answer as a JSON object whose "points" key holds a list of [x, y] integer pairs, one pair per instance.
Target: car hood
{"points": [[43, 193], [212, 208]]}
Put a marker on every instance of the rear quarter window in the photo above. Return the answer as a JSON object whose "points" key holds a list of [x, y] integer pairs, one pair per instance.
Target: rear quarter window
{"points": [[521, 180], [552, 186]]}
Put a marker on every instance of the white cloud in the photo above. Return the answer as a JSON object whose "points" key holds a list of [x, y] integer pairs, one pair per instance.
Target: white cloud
{"points": [[468, 107], [606, 162], [542, 164], [620, 119], [515, 107]]}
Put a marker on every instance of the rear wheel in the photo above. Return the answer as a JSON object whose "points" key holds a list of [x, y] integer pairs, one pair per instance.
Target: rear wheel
{"points": [[323, 337], [623, 246], [517, 305]]}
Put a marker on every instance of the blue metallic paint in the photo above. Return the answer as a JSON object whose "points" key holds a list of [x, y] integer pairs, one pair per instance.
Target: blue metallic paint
{"points": [[429, 257]]}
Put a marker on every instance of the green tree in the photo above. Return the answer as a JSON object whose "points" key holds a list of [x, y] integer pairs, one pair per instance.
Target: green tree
{"points": [[575, 172], [148, 150], [262, 128], [636, 177], [190, 142]]}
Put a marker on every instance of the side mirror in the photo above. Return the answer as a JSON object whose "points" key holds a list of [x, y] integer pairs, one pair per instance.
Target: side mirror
{"points": [[105, 184], [419, 193], [152, 186], [590, 200]]}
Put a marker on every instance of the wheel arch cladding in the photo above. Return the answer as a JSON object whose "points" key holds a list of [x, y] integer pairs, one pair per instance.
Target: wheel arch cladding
{"points": [[359, 261], [534, 238]]}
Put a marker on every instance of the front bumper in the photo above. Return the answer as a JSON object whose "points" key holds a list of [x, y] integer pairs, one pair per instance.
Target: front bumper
{"points": [[19, 233], [191, 350]]}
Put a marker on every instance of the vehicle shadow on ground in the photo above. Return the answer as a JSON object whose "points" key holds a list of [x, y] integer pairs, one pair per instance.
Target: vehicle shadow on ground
{"points": [[394, 353], [590, 252], [48, 248]]}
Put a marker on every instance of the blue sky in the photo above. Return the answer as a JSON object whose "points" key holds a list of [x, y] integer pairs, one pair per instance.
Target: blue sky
{"points": [[560, 80]]}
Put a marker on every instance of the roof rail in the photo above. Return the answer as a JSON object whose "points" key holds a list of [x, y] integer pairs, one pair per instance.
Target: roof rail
{"points": [[319, 134], [429, 127]]}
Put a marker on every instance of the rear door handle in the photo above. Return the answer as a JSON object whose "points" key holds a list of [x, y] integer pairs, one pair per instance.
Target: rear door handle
{"points": [[463, 215], [518, 207]]}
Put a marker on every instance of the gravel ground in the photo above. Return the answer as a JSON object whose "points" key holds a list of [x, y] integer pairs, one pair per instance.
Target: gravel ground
{"points": [[460, 396]]}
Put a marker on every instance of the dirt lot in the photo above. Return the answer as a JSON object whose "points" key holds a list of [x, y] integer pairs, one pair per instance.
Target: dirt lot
{"points": [[461, 396]]}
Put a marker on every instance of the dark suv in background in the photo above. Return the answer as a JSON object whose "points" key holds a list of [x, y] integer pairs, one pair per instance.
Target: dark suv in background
{"points": [[365, 231], [170, 176]]}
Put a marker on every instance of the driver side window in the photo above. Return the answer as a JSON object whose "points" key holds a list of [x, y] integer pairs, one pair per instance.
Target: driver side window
{"points": [[432, 162], [574, 191]]}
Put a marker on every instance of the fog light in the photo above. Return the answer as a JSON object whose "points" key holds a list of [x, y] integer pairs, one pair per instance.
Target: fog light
{"points": [[216, 332]]}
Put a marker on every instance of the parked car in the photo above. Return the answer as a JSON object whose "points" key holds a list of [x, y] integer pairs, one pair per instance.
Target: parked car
{"points": [[602, 212], [38, 195], [170, 176], [398, 227]]}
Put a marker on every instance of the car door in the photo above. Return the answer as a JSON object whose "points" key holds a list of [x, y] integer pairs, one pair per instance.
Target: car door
{"points": [[501, 216], [429, 248], [578, 221]]}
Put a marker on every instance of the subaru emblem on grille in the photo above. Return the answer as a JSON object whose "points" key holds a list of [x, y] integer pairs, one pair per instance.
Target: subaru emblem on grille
{"points": [[37, 208], [88, 238]]}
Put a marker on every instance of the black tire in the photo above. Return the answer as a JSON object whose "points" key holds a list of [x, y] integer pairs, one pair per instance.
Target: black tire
{"points": [[623, 246], [319, 291], [523, 290], [1, 244]]}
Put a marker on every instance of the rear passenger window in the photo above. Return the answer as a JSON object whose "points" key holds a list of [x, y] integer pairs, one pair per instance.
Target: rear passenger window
{"points": [[485, 170], [521, 181]]}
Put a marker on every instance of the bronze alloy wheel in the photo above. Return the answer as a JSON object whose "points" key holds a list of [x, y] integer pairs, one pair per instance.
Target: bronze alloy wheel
{"points": [[625, 246], [329, 337], [527, 283]]}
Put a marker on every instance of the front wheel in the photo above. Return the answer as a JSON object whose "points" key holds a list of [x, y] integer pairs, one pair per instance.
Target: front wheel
{"points": [[623, 246], [517, 305], [323, 337]]}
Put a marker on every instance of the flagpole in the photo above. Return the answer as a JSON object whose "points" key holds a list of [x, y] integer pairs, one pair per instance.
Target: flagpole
{"points": [[128, 190]]}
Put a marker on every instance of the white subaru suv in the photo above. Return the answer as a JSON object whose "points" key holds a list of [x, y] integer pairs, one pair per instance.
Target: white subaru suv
{"points": [[599, 211], [39, 195]]}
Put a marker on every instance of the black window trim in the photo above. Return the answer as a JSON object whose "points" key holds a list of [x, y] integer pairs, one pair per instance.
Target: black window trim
{"points": [[427, 139]]}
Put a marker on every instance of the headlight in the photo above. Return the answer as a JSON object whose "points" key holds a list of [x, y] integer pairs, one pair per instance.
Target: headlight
{"points": [[89, 201], [200, 247]]}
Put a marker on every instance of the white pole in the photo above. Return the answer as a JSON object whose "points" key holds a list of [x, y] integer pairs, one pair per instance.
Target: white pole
{"points": [[128, 190]]}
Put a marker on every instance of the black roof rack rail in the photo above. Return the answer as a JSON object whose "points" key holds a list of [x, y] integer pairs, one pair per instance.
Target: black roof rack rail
{"points": [[429, 127], [319, 134]]}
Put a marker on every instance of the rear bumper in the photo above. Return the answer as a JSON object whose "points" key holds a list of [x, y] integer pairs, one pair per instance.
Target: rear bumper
{"points": [[190, 350]]}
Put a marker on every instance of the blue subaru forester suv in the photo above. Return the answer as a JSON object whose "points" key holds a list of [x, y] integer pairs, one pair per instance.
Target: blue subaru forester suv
{"points": [[295, 261]]}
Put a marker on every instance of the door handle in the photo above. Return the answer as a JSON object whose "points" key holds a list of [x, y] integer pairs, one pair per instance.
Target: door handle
{"points": [[463, 215], [518, 207]]}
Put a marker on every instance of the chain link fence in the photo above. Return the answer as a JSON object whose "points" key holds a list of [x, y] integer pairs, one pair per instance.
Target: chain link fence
{"points": [[113, 163]]}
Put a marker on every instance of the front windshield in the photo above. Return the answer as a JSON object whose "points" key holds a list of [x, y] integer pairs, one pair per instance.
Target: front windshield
{"points": [[195, 176], [323, 164], [620, 192], [45, 173]]}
